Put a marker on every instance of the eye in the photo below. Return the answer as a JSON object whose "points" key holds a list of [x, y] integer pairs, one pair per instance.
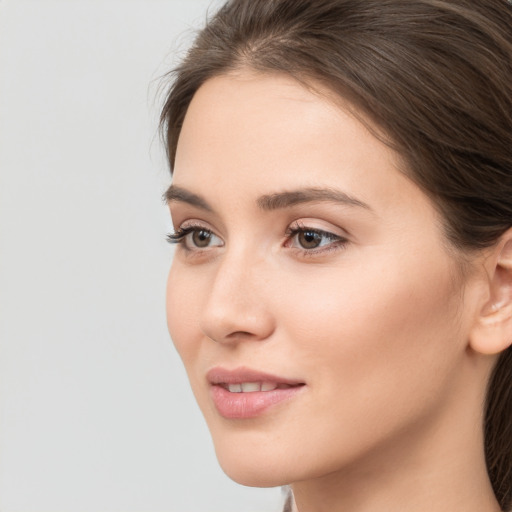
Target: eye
{"points": [[195, 237], [312, 240], [201, 238]]}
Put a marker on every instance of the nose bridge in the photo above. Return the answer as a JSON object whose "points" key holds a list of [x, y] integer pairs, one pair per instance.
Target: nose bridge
{"points": [[236, 305]]}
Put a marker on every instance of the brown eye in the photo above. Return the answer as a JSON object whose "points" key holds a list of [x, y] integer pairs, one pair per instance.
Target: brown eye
{"points": [[195, 238], [309, 239], [313, 241], [201, 238]]}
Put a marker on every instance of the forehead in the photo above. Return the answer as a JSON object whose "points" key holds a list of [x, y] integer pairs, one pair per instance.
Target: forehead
{"points": [[250, 110], [268, 126]]}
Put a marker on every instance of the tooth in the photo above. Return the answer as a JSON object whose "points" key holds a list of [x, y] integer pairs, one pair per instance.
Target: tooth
{"points": [[235, 388], [250, 387], [268, 386]]}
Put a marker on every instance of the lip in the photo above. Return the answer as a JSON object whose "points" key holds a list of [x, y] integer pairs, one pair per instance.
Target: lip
{"points": [[220, 375], [246, 405]]}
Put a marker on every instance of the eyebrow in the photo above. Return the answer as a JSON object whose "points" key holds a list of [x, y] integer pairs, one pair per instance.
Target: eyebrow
{"points": [[308, 195], [179, 194], [277, 201]]}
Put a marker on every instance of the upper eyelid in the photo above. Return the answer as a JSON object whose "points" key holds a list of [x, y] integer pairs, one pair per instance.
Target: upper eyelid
{"points": [[329, 235], [312, 225], [293, 231], [293, 226], [195, 223]]}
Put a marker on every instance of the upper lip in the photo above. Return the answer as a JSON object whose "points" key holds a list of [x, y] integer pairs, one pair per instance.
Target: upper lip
{"points": [[243, 374]]}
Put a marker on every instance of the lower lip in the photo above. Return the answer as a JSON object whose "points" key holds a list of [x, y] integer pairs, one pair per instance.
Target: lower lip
{"points": [[243, 406]]}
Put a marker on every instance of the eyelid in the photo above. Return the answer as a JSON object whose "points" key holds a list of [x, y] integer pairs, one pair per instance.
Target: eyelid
{"points": [[187, 228], [333, 237], [334, 241], [318, 225], [194, 224]]}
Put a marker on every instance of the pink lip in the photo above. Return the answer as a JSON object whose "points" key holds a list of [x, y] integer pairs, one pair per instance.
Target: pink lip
{"points": [[220, 375], [232, 405]]}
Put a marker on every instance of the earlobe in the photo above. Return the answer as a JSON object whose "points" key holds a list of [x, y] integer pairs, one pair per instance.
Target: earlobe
{"points": [[492, 331]]}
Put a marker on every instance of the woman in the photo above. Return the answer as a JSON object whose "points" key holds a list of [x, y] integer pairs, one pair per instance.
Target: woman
{"points": [[341, 294]]}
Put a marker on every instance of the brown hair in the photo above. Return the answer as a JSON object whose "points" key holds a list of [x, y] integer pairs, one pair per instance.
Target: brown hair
{"points": [[434, 75]]}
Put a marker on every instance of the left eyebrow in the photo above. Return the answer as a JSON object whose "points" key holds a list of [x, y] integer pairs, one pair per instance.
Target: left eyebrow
{"points": [[308, 195]]}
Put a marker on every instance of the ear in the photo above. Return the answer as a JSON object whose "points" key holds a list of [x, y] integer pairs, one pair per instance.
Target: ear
{"points": [[492, 331]]}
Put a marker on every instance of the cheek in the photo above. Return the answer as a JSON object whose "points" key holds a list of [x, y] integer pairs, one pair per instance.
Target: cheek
{"points": [[374, 331]]}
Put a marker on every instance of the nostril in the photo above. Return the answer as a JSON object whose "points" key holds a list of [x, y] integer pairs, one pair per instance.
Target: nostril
{"points": [[240, 333]]}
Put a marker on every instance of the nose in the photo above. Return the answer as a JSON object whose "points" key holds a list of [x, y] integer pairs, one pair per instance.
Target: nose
{"points": [[237, 306]]}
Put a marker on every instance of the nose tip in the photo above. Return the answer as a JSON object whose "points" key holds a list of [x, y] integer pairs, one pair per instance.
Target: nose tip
{"points": [[226, 328], [236, 308]]}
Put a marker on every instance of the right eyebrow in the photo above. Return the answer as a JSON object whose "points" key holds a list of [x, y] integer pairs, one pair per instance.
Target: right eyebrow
{"points": [[177, 194]]}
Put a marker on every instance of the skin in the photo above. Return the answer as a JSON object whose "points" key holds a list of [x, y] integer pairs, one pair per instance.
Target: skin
{"points": [[376, 321]]}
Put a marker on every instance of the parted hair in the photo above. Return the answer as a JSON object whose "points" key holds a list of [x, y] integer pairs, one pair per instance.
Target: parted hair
{"points": [[433, 76]]}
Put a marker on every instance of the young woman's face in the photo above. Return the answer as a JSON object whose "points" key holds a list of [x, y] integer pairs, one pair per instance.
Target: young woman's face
{"points": [[312, 297]]}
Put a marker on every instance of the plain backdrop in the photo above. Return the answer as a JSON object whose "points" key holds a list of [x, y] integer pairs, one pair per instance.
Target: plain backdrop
{"points": [[96, 414]]}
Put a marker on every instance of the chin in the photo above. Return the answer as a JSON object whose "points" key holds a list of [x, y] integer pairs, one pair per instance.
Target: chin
{"points": [[254, 474], [254, 463]]}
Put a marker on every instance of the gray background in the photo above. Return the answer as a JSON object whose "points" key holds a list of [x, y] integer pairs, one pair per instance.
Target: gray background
{"points": [[95, 410]]}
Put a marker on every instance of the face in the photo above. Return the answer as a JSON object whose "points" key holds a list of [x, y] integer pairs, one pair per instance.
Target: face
{"points": [[312, 297]]}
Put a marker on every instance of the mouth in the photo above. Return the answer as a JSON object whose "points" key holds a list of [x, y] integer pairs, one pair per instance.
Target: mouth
{"points": [[254, 387], [244, 393]]}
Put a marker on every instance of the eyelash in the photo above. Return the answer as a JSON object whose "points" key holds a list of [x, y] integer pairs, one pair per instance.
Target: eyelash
{"points": [[179, 236], [336, 241]]}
